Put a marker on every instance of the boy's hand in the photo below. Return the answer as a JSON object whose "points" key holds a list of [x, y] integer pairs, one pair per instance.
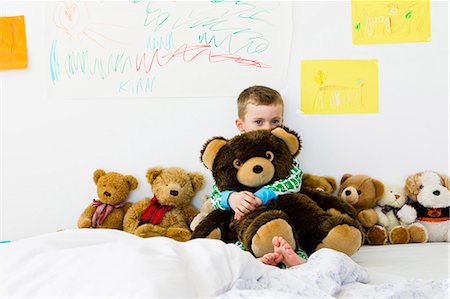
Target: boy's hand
{"points": [[243, 202]]}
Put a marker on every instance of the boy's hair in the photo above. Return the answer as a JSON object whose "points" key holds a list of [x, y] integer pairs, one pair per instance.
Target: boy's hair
{"points": [[257, 95]]}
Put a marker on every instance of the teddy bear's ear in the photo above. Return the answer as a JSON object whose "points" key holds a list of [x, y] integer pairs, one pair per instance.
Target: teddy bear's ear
{"points": [[332, 182], [98, 174], [292, 140], [132, 181], [196, 180], [210, 150], [411, 187], [379, 188], [445, 181], [345, 177], [153, 173]]}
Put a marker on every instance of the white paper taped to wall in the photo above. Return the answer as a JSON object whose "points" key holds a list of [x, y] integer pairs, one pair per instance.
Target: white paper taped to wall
{"points": [[166, 48]]}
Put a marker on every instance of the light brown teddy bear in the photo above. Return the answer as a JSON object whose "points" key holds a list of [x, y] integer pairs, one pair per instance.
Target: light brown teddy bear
{"points": [[363, 192], [322, 183], [169, 212], [109, 210]]}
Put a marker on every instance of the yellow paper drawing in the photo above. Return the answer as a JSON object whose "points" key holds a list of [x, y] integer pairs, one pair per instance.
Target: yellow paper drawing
{"points": [[379, 22], [339, 86], [13, 43]]}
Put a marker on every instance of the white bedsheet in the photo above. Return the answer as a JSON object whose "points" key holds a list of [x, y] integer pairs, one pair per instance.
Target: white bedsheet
{"points": [[108, 263]]}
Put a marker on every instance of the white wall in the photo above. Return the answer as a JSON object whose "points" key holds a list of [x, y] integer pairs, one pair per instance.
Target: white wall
{"points": [[50, 148]]}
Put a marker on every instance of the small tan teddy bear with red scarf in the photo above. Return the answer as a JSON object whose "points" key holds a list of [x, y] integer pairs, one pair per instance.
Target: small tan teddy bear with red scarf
{"points": [[169, 212]]}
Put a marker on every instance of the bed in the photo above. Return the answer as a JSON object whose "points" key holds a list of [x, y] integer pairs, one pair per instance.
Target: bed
{"points": [[106, 263]]}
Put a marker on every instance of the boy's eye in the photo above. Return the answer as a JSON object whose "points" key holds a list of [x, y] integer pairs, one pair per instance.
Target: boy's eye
{"points": [[259, 122], [275, 121]]}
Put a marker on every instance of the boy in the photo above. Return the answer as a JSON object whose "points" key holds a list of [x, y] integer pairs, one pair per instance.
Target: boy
{"points": [[261, 107]]}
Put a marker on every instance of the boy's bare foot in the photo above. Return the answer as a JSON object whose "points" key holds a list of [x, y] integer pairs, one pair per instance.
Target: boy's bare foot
{"points": [[289, 257], [271, 258]]}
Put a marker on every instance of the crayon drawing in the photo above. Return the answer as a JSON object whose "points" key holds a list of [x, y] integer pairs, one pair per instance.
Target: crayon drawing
{"points": [[13, 43], [339, 86], [378, 22]]}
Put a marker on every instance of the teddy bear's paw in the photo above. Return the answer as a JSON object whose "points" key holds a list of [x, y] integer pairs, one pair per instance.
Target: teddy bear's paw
{"points": [[149, 230], [377, 235], [368, 217], [417, 233], [215, 234], [178, 233], [84, 223], [344, 238], [266, 226], [399, 235]]}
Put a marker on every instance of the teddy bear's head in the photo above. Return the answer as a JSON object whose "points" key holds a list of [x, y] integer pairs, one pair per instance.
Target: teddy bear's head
{"points": [[429, 188], [174, 186], [393, 196], [252, 159], [322, 183], [361, 191], [112, 187]]}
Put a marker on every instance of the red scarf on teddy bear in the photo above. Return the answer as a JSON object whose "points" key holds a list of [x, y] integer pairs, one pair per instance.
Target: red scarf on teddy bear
{"points": [[154, 212]]}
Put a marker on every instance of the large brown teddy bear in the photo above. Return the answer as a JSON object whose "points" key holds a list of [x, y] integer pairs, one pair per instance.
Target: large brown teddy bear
{"points": [[108, 211], [254, 159], [169, 212], [363, 192]]}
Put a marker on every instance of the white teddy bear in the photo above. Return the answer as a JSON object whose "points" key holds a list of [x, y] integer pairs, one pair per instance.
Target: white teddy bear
{"points": [[387, 207], [430, 194]]}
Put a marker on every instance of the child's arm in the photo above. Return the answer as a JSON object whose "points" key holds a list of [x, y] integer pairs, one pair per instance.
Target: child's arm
{"points": [[289, 185], [240, 202]]}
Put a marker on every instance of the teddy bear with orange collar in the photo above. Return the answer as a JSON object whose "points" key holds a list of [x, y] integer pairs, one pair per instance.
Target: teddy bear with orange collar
{"points": [[430, 195]]}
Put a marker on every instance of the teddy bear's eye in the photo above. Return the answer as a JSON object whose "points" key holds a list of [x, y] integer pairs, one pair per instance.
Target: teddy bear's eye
{"points": [[359, 192], [104, 185], [237, 164], [421, 186], [269, 155]]}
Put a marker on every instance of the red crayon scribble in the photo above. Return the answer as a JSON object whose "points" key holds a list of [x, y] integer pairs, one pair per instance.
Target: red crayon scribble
{"points": [[190, 53]]}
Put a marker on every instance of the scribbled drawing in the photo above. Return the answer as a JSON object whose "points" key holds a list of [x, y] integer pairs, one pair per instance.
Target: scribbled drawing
{"points": [[390, 21], [339, 86], [73, 20], [13, 46], [144, 48]]}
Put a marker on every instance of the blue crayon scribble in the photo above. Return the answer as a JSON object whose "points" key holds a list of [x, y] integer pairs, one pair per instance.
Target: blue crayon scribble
{"points": [[54, 65]]}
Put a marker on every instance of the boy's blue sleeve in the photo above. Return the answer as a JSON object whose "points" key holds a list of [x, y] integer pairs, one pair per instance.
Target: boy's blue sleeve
{"points": [[265, 194], [224, 199]]}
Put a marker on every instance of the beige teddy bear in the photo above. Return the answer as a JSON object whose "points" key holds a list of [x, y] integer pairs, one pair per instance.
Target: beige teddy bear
{"points": [[108, 211], [205, 209], [169, 212]]}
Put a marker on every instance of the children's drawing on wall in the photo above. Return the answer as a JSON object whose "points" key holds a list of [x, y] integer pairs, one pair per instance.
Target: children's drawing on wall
{"points": [[166, 48], [13, 43], [377, 22], [339, 86]]}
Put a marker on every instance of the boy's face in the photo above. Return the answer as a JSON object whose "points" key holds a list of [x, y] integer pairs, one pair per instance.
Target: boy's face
{"points": [[259, 117]]}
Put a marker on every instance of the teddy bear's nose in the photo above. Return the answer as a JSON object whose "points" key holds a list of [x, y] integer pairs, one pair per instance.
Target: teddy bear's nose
{"points": [[348, 192], [257, 169], [174, 192], [106, 193], [437, 192], [397, 196]]}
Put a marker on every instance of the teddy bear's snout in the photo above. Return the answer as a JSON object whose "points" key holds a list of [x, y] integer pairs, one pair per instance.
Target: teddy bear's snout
{"points": [[173, 192], [258, 169], [106, 193]]}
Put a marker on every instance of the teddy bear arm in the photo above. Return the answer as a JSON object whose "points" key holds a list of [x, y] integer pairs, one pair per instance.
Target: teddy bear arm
{"points": [[407, 214], [85, 219], [132, 217], [382, 218], [126, 207], [190, 213], [368, 217]]}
